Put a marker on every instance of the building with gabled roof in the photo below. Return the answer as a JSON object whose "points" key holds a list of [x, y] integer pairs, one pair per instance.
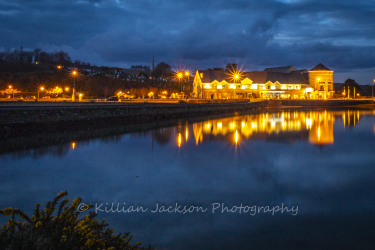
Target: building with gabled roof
{"points": [[321, 79], [278, 82]]}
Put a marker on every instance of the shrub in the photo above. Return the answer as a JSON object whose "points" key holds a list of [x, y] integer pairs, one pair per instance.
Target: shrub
{"points": [[60, 231]]}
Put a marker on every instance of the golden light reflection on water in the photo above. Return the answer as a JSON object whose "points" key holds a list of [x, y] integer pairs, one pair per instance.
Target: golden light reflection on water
{"points": [[314, 126], [179, 140]]}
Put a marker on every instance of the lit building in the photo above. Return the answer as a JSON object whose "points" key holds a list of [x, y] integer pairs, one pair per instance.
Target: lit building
{"points": [[279, 82]]}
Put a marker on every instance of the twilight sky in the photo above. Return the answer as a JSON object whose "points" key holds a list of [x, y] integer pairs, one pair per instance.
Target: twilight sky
{"points": [[200, 34]]}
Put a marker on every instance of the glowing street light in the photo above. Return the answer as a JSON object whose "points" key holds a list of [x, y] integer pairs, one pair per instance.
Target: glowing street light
{"points": [[187, 74], [179, 76], [235, 75], [41, 89], [67, 89], [59, 67], [74, 74], [11, 87]]}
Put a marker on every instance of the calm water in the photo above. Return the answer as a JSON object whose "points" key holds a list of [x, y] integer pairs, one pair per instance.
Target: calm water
{"points": [[320, 165]]}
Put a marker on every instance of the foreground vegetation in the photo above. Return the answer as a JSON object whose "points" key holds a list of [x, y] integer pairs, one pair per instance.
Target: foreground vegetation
{"points": [[57, 226]]}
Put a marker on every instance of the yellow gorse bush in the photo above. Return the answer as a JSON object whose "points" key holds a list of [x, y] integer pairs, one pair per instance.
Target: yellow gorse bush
{"points": [[58, 226]]}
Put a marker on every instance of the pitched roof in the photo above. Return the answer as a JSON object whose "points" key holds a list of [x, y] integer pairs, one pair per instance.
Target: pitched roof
{"points": [[212, 75], [283, 69], [256, 76], [320, 67]]}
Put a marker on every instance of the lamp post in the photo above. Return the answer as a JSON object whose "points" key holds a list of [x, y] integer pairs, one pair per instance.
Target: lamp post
{"points": [[372, 95], [10, 87], [74, 74], [179, 75], [187, 74], [41, 89]]}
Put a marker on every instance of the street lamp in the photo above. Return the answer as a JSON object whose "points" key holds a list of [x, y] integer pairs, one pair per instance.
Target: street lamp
{"points": [[41, 89], [74, 74], [10, 87], [179, 75], [372, 96], [187, 74]]}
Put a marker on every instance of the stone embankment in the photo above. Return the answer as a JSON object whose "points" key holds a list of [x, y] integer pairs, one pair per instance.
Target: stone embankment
{"points": [[97, 116], [325, 103]]}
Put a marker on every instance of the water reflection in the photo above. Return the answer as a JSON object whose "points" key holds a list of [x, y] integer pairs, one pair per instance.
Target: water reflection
{"points": [[317, 125], [194, 164]]}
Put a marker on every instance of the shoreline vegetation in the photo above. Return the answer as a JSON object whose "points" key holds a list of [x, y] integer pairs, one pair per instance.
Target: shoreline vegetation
{"points": [[61, 226], [26, 126]]}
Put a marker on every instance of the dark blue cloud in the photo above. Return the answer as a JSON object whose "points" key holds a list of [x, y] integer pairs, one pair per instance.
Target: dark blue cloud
{"points": [[199, 33]]}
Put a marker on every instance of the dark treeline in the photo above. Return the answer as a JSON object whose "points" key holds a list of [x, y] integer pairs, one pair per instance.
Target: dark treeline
{"points": [[38, 56]]}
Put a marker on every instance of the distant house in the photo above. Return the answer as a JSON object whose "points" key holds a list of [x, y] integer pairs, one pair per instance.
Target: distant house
{"points": [[140, 68], [278, 82]]}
